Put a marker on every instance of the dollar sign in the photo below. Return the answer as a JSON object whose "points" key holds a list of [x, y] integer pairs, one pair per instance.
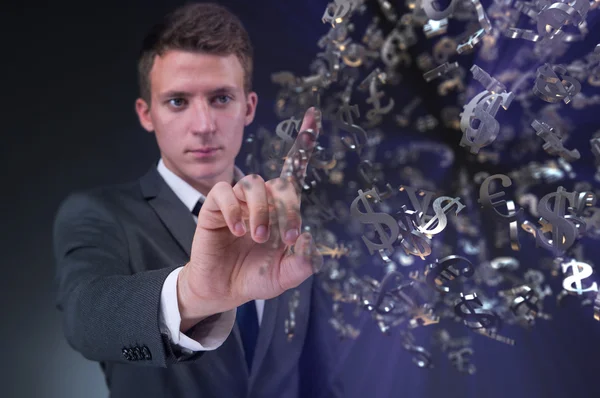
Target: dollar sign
{"points": [[552, 88], [579, 272], [478, 120], [564, 231], [485, 199], [413, 242], [345, 122], [286, 129], [440, 218], [445, 269], [475, 318], [377, 219], [553, 144]]}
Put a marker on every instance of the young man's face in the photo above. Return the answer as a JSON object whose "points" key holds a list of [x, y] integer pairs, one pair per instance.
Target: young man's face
{"points": [[198, 102]]}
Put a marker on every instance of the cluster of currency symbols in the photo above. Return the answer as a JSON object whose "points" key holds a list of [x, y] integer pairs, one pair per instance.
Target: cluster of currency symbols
{"points": [[442, 245]]}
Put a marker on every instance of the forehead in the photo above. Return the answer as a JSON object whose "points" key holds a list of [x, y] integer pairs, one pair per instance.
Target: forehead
{"points": [[177, 69]]}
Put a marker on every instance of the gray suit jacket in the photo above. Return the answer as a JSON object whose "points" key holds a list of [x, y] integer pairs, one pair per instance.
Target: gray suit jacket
{"points": [[114, 246]]}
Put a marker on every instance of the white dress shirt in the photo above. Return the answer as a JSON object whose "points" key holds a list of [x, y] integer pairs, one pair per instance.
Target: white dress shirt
{"points": [[210, 333]]}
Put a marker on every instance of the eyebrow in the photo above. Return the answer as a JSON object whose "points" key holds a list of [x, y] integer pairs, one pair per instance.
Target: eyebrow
{"points": [[179, 93]]}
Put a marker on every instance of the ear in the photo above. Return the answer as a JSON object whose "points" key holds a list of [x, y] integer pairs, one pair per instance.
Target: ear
{"points": [[251, 102], [142, 108]]}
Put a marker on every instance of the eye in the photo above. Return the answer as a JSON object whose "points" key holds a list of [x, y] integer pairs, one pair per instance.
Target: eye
{"points": [[177, 102], [223, 99]]}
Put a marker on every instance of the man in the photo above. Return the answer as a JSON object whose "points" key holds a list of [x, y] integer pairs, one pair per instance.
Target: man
{"points": [[178, 284]]}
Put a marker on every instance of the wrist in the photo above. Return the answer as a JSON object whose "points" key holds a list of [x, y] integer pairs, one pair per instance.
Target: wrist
{"points": [[189, 317]]}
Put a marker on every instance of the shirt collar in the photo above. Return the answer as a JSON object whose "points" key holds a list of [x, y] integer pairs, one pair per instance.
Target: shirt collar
{"points": [[184, 191]]}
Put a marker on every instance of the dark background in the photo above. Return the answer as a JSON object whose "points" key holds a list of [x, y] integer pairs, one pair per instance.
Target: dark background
{"points": [[68, 121]]}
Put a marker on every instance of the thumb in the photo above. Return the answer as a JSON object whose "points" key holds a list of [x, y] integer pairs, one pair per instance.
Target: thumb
{"points": [[297, 267]]}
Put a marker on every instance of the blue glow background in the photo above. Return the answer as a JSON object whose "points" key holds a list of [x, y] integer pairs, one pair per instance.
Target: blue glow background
{"points": [[69, 80]]}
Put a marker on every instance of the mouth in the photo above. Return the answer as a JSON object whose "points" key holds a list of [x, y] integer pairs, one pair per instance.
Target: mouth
{"points": [[204, 152]]}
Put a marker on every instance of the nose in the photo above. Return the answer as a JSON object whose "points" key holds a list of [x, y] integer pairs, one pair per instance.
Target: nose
{"points": [[203, 119]]}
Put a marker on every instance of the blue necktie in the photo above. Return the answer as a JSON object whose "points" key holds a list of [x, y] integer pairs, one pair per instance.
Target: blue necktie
{"points": [[247, 319]]}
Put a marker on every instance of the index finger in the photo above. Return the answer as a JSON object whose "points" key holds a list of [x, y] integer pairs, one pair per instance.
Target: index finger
{"points": [[296, 162]]}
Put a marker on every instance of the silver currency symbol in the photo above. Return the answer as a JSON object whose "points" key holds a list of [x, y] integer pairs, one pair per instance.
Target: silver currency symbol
{"points": [[378, 220], [345, 122], [433, 12], [475, 318], [574, 282], [336, 12], [413, 242], [564, 232], [554, 16], [551, 87], [553, 144], [375, 96], [440, 220], [445, 269], [485, 199], [478, 119], [460, 359]]}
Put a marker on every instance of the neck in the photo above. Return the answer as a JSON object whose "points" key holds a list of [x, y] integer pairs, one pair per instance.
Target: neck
{"points": [[204, 185]]}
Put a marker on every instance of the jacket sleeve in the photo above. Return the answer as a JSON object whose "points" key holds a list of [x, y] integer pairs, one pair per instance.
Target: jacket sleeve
{"points": [[109, 313]]}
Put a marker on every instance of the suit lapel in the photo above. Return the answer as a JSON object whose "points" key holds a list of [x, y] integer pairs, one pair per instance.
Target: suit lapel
{"points": [[169, 208]]}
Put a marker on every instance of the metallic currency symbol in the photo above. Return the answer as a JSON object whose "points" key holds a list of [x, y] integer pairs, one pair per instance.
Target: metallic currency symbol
{"points": [[440, 220], [478, 123], [433, 12], [491, 84], [574, 282], [422, 358], [524, 303], [482, 16], [286, 129], [485, 199], [552, 88], [375, 96], [475, 318], [564, 232], [470, 44], [553, 17], [553, 144], [435, 28], [460, 359], [413, 242], [345, 122], [439, 71], [377, 219], [421, 206], [445, 269], [597, 307], [336, 12]]}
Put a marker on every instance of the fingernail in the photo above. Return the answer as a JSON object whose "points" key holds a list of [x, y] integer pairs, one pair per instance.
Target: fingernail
{"points": [[291, 235], [261, 232], [240, 228]]}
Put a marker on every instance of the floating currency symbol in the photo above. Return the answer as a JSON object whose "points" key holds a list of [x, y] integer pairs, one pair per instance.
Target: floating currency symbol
{"points": [[485, 199], [445, 269], [421, 206], [422, 358], [554, 16], [524, 302], [336, 12], [478, 119], [552, 88], [413, 242], [285, 130], [440, 220], [377, 219], [574, 282], [345, 122], [475, 318], [564, 232], [460, 359], [553, 144], [433, 12]]}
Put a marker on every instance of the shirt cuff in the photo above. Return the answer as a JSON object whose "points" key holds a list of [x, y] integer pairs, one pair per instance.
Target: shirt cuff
{"points": [[207, 335]]}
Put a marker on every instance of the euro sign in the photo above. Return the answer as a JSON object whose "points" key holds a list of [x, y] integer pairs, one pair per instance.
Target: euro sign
{"points": [[486, 200]]}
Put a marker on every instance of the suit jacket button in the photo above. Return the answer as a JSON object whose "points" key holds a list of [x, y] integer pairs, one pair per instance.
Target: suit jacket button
{"points": [[126, 354], [146, 353]]}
